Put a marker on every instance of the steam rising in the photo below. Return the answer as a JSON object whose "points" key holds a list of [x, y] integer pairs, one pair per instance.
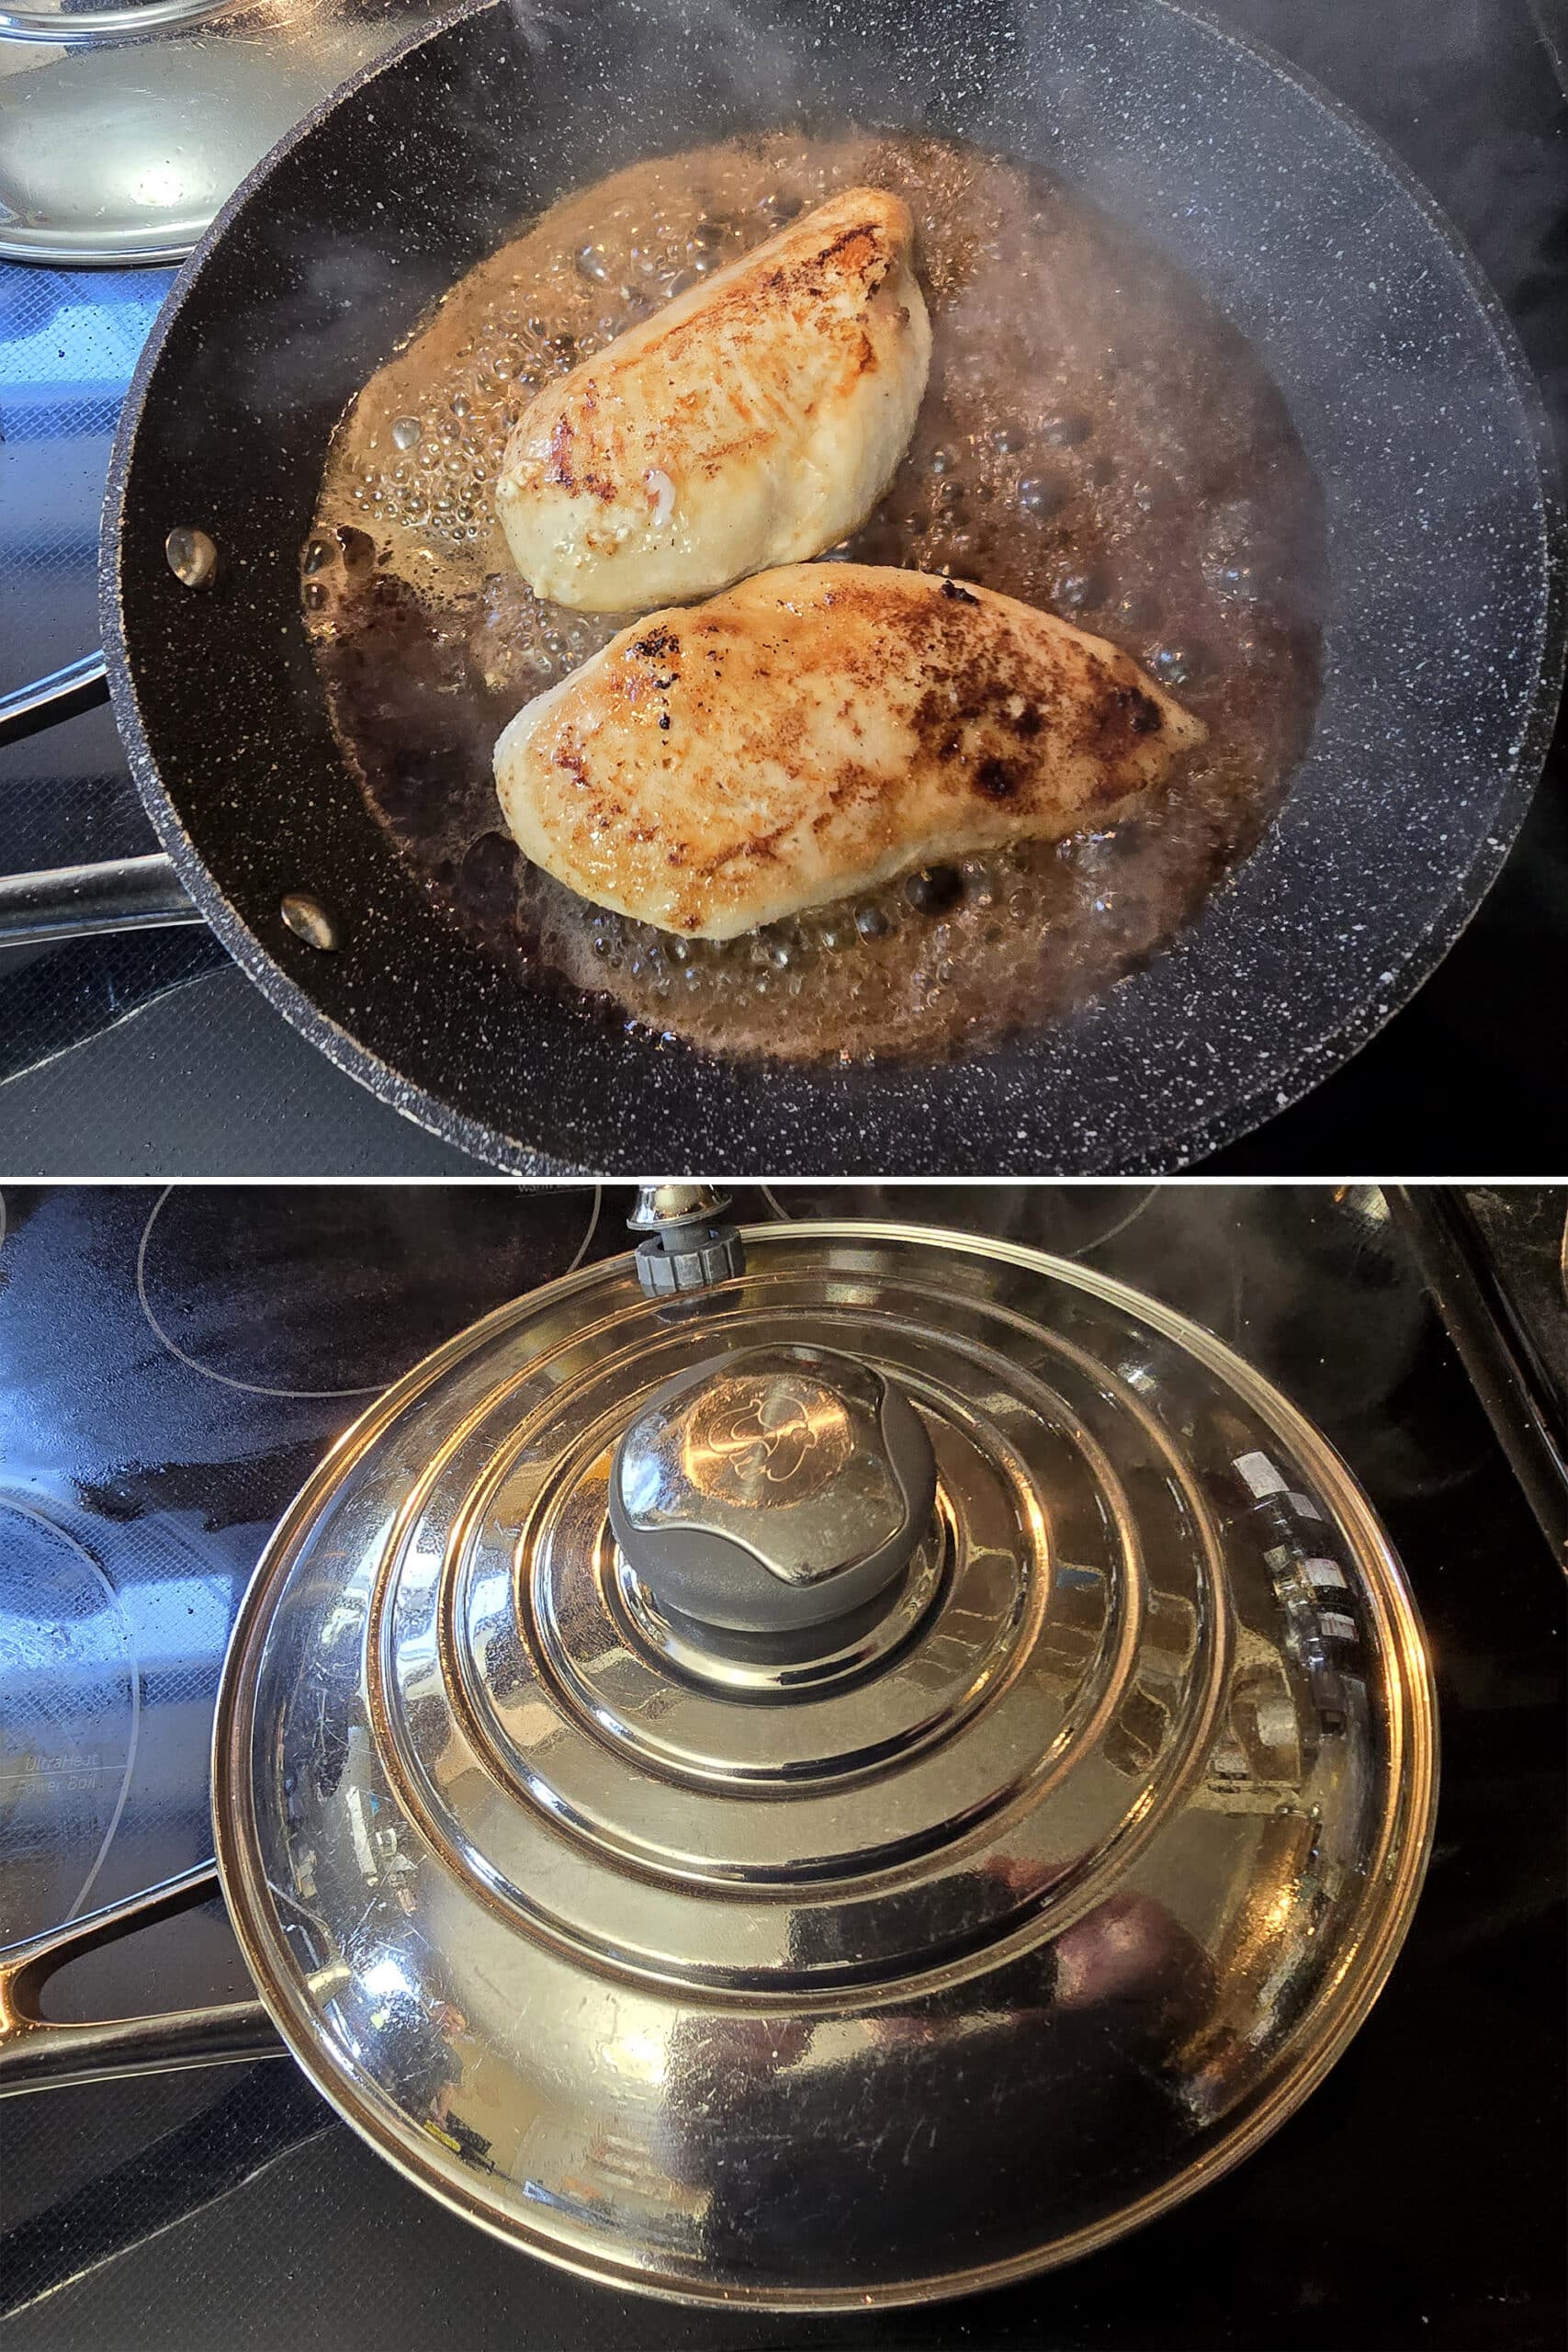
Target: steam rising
{"points": [[601, 83]]}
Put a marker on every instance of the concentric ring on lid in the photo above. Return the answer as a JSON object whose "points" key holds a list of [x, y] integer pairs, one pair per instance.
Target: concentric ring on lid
{"points": [[975, 1782]]}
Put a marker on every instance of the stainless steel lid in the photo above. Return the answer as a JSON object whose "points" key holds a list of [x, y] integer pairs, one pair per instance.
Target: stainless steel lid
{"points": [[128, 127], [885, 1952]]}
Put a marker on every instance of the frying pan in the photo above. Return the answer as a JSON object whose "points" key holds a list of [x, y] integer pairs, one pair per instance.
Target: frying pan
{"points": [[1443, 639]]}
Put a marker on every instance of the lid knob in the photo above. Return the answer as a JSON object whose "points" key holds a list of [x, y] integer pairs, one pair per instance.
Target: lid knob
{"points": [[773, 1489], [690, 1245]]}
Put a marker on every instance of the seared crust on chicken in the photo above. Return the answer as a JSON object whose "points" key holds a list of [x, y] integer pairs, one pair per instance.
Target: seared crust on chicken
{"points": [[755, 420], [817, 729]]}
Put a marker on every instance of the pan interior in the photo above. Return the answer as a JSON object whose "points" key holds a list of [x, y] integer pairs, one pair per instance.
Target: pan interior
{"points": [[1442, 634], [1096, 440]]}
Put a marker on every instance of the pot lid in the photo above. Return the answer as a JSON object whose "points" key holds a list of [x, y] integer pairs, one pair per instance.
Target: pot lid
{"points": [[903, 1929], [128, 126]]}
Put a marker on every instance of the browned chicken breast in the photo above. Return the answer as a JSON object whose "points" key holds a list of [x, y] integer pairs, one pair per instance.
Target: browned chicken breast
{"points": [[816, 731], [755, 420]]}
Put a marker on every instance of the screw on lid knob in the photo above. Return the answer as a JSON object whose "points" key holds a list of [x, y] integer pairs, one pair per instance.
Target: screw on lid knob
{"points": [[772, 1490]]}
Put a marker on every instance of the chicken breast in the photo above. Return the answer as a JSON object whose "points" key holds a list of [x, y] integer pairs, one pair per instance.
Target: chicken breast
{"points": [[816, 730], [753, 421]]}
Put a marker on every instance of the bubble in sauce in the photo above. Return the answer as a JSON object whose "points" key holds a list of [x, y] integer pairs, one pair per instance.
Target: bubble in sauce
{"points": [[1074, 590], [1041, 497]]}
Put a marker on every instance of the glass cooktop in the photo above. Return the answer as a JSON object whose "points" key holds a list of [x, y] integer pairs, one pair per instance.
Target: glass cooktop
{"points": [[173, 1364]]}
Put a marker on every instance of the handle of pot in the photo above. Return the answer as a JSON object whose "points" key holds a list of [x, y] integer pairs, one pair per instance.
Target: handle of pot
{"points": [[81, 686], [77, 901], [36, 2054]]}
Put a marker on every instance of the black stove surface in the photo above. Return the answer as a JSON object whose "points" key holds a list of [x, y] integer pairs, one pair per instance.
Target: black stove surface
{"points": [[171, 1367], [152, 1052]]}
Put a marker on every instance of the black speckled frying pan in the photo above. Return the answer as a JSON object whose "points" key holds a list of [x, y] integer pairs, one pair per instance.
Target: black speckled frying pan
{"points": [[1443, 639]]}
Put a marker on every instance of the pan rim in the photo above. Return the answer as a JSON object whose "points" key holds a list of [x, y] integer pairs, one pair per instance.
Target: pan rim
{"points": [[1189, 1134]]}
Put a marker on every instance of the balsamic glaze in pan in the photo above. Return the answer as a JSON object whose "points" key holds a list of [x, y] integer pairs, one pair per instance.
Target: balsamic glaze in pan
{"points": [[1095, 439]]}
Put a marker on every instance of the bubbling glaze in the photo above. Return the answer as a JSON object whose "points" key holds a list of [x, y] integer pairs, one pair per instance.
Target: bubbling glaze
{"points": [[1095, 439]]}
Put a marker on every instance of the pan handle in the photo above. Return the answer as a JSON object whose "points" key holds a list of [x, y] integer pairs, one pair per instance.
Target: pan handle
{"points": [[36, 2054], [81, 686], [76, 901]]}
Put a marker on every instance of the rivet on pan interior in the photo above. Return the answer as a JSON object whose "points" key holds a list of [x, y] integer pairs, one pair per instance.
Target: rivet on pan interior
{"points": [[309, 919], [193, 558]]}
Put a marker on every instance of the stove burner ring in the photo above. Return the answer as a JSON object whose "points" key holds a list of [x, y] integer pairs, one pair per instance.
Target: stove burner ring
{"points": [[262, 1388], [57, 1623]]}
